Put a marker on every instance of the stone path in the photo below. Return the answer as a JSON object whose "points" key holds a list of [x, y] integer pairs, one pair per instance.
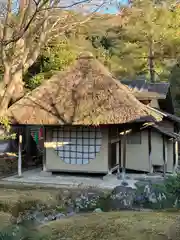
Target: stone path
{"points": [[34, 177]]}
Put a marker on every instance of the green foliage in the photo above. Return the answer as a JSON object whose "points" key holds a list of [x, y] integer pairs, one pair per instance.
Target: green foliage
{"points": [[104, 202], [175, 86], [35, 81], [14, 232], [170, 189], [146, 26], [5, 124], [173, 186], [56, 56]]}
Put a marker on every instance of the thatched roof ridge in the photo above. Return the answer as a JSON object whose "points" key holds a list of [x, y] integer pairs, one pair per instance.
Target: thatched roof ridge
{"points": [[85, 94]]}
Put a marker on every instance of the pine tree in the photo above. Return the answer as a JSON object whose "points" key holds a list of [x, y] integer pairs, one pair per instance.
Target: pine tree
{"points": [[147, 38]]}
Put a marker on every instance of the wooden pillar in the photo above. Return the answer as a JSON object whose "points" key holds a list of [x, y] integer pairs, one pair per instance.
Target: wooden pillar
{"points": [[124, 156], [109, 152], [175, 156], [28, 145], [119, 155], [164, 156], [20, 156], [44, 149], [150, 151], [117, 152], [175, 149]]}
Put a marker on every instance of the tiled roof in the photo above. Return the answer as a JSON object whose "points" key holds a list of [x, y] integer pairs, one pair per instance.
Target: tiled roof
{"points": [[142, 85]]}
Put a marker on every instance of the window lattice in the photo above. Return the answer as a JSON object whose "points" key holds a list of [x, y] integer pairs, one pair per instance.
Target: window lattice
{"points": [[77, 145]]}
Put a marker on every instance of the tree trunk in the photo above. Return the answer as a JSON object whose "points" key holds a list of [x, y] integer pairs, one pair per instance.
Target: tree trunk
{"points": [[151, 62], [6, 98], [14, 90], [5, 81], [19, 86], [7, 71]]}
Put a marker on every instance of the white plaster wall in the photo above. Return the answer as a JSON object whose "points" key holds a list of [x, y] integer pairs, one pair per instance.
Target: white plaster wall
{"points": [[154, 103], [157, 149], [137, 154], [98, 165], [170, 156]]}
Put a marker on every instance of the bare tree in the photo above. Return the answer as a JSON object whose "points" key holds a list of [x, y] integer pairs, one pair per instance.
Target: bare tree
{"points": [[25, 26]]}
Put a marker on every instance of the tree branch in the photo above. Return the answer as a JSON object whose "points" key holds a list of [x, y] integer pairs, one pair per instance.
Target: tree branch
{"points": [[24, 13], [5, 30], [45, 32], [73, 25], [39, 8], [37, 48]]}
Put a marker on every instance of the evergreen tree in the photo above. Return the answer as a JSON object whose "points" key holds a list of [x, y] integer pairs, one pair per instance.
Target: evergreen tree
{"points": [[147, 39]]}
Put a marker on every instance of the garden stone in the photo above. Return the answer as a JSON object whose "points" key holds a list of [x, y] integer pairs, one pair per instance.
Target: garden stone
{"points": [[120, 176], [37, 216], [51, 218], [70, 209], [122, 197], [60, 216], [31, 218], [70, 214], [98, 210], [46, 219]]}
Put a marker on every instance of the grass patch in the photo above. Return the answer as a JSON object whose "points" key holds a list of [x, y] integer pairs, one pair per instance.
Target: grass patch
{"points": [[112, 225], [124, 225], [16, 202], [13, 195], [5, 219]]}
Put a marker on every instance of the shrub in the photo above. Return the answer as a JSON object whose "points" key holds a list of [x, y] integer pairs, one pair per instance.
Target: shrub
{"points": [[22, 206], [14, 232], [158, 196], [8, 165], [172, 185]]}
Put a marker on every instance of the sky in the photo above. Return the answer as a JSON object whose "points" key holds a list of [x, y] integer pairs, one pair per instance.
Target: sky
{"points": [[111, 6], [113, 9]]}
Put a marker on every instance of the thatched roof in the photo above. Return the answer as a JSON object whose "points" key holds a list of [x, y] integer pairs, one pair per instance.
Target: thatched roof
{"points": [[85, 94]]}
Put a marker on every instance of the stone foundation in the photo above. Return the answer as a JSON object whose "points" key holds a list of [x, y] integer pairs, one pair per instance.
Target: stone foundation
{"points": [[45, 174]]}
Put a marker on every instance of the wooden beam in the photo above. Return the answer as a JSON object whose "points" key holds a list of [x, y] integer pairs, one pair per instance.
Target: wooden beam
{"points": [[175, 156], [117, 155], [120, 165], [124, 156], [164, 156], [109, 151], [116, 140], [175, 149], [44, 149], [150, 150]]}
